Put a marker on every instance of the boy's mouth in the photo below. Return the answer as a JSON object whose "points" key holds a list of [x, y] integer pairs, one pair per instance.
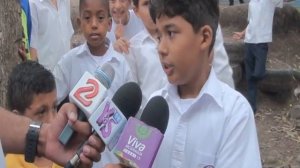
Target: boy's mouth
{"points": [[168, 68], [94, 36]]}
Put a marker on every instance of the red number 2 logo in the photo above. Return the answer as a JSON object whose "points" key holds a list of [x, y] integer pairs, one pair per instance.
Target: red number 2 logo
{"points": [[87, 99]]}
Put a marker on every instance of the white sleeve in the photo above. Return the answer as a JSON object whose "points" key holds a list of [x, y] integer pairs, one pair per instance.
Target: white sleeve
{"points": [[128, 77], [35, 25], [61, 81], [278, 3], [131, 60], [221, 61], [239, 146]]}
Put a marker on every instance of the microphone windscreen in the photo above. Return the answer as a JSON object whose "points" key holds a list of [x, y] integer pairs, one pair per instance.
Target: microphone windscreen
{"points": [[128, 99], [105, 74], [156, 113]]}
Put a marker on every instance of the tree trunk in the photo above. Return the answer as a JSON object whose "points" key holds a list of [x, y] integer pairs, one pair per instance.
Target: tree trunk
{"points": [[10, 38]]}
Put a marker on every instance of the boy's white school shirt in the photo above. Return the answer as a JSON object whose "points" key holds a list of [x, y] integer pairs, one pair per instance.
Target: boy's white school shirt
{"points": [[260, 20], [134, 26], [215, 130], [51, 30], [145, 65], [79, 60]]}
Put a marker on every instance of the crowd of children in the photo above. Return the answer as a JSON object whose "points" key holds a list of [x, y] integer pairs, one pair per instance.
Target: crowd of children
{"points": [[171, 48]]}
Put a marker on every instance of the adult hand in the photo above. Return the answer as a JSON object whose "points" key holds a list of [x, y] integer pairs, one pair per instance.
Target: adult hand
{"points": [[51, 148]]}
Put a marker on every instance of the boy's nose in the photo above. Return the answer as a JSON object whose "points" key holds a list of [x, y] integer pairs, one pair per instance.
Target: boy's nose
{"points": [[94, 23], [162, 49]]}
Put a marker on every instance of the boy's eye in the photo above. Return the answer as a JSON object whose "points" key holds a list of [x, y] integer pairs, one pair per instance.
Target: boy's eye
{"points": [[171, 33]]}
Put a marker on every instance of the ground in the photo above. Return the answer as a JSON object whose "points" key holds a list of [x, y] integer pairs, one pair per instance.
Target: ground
{"points": [[279, 139]]}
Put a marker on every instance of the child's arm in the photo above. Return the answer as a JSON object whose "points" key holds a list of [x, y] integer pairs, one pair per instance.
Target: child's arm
{"points": [[33, 54], [239, 35], [34, 31], [122, 45]]}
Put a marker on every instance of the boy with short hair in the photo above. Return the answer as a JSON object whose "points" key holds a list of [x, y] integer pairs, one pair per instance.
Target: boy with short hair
{"points": [[257, 34], [210, 124], [125, 24], [31, 92], [94, 22], [143, 57]]}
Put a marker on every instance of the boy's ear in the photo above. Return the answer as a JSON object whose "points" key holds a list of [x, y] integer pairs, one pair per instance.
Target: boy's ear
{"points": [[207, 35], [109, 23], [135, 9], [78, 22]]}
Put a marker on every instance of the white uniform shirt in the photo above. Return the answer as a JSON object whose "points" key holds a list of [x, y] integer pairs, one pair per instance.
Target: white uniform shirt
{"points": [[79, 60], [221, 60], [2, 160], [133, 26], [260, 18], [216, 129], [145, 65], [51, 30]]}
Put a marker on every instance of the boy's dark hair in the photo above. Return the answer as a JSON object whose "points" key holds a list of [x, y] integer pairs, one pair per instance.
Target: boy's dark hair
{"points": [[197, 12], [27, 79], [104, 2], [135, 3]]}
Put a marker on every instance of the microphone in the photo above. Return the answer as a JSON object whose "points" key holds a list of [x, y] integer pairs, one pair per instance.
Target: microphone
{"points": [[141, 139], [110, 117], [87, 94]]}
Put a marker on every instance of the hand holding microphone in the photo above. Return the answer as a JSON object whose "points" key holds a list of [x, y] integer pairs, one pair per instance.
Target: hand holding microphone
{"points": [[110, 117], [140, 139], [88, 94]]}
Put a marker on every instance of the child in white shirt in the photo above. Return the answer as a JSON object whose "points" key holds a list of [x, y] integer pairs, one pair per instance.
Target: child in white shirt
{"points": [[210, 124], [257, 35], [94, 23], [125, 24], [51, 31], [143, 57]]}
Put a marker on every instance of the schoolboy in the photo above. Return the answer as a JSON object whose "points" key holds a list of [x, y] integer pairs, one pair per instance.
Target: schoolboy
{"points": [[125, 24], [210, 124], [143, 57], [94, 22], [32, 93], [51, 31], [258, 34]]}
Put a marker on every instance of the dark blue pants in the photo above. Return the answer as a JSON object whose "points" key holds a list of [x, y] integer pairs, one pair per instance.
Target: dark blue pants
{"points": [[255, 66]]}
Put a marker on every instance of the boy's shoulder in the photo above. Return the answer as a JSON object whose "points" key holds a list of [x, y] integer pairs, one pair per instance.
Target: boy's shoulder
{"points": [[139, 39]]}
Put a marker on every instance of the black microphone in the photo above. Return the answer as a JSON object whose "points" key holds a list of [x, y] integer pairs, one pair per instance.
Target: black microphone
{"points": [[141, 139]]}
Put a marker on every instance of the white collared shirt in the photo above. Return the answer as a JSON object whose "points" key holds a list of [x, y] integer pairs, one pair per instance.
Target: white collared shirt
{"points": [[146, 68], [134, 26], [260, 20], [51, 30], [221, 60], [216, 129], [2, 160], [145, 65], [79, 60]]}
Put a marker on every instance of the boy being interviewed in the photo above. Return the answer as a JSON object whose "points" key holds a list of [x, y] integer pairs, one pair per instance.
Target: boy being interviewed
{"points": [[210, 124]]}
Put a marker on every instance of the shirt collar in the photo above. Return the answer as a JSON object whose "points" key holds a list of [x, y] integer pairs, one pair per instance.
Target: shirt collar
{"points": [[146, 36], [84, 50], [212, 88]]}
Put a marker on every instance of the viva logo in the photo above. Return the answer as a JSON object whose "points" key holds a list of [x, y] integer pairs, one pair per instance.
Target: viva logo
{"points": [[107, 119], [142, 132], [86, 94]]}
